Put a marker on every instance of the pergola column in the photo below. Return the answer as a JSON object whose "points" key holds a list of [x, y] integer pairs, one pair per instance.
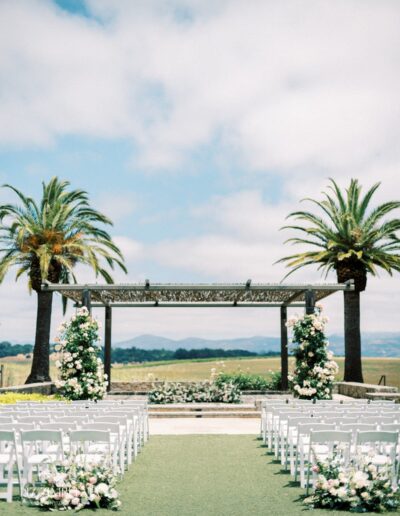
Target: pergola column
{"points": [[107, 344], [284, 349], [86, 300], [310, 302]]}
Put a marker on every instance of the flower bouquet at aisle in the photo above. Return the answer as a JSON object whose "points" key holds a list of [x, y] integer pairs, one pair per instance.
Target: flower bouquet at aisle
{"points": [[73, 486], [361, 488], [81, 369], [315, 370]]}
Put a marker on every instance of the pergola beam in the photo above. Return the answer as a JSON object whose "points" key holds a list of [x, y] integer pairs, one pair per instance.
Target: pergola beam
{"points": [[333, 287], [157, 304]]}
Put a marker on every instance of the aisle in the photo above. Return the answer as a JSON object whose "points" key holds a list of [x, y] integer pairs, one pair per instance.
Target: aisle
{"points": [[199, 475]]}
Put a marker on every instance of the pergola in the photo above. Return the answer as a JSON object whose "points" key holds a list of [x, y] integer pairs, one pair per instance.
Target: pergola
{"points": [[214, 295]]}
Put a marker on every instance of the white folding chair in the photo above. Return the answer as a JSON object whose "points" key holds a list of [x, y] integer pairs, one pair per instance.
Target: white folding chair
{"points": [[117, 443], [303, 446], [92, 447], [380, 447], [40, 448], [9, 467], [325, 445]]}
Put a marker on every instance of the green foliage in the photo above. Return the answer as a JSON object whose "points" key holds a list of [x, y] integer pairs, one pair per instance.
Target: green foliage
{"points": [[250, 382], [134, 354], [47, 239], [12, 350], [347, 232], [315, 370], [81, 369], [200, 392]]}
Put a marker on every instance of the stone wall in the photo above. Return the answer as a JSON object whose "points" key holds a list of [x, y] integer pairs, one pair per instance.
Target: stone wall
{"points": [[45, 388], [360, 390]]}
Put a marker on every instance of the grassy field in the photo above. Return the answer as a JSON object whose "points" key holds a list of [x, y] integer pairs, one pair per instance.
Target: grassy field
{"points": [[17, 371]]}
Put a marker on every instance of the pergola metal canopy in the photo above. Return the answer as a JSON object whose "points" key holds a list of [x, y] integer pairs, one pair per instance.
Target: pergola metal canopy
{"points": [[197, 295], [210, 295]]}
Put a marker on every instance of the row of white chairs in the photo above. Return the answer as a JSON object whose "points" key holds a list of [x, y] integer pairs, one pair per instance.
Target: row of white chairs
{"points": [[271, 408], [34, 435], [372, 447], [286, 427]]}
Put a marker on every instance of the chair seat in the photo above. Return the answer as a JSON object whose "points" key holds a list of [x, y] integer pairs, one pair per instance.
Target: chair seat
{"points": [[89, 458], [380, 460], [4, 458], [42, 458]]}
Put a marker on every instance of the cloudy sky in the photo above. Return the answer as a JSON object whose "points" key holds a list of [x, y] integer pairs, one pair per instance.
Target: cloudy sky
{"points": [[197, 126]]}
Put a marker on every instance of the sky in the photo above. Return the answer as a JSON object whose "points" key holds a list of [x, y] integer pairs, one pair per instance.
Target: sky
{"points": [[197, 126]]}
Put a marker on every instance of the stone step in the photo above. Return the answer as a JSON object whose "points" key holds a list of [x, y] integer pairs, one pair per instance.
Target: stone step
{"points": [[205, 414], [202, 407], [384, 396]]}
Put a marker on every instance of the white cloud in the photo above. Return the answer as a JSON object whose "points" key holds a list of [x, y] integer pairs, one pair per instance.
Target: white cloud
{"points": [[291, 86], [299, 89]]}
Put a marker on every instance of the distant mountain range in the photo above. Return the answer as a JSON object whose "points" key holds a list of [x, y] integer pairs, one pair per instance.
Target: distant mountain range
{"points": [[373, 345]]}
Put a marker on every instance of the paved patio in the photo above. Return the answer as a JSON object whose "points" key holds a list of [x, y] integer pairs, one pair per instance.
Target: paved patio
{"points": [[182, 426]]}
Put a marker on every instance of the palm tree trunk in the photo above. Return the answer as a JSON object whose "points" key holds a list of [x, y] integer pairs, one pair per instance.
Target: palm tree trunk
{"points": [[40, 371], [352, 337]]}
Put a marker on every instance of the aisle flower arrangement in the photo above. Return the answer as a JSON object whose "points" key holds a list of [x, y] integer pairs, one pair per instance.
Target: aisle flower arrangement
{"points": [[71, 486], [315, 370], [361, 488], [80, 367], [194, 392]]}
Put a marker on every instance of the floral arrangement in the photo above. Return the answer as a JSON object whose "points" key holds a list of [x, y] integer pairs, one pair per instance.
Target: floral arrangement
{"points": [[315, 370], [249, 381], [71, 486], [195, 393], [81, 370], [361, 488]]}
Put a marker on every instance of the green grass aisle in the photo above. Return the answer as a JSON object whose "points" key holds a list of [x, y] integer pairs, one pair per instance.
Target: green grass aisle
{"points": [[207, 475]]}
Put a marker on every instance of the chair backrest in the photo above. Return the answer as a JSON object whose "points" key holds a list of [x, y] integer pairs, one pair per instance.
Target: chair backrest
{"points": [[379, 420], [329, 436], [377, 437], [34, 419], [41, 435], [6, 419], [307, 428], [71, 419], [105, 427], [7, 436], [18, 427], [63, 427], [90, 435], [355, 427], [110, 419], [390, 427]]}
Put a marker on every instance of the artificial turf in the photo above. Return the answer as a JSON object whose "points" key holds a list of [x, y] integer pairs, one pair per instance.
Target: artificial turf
{"points": [[203, 475]]}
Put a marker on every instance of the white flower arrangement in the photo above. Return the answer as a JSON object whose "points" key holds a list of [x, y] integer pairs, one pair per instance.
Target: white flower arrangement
{"points": [[360, 487], [315, 368], [72, 486], [81, 370], [200, 392]]}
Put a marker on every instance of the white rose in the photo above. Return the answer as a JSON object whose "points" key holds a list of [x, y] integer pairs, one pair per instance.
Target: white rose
{"points": [[101, 489]]}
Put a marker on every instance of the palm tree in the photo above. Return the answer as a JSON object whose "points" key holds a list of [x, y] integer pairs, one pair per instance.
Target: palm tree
{"points": [[46, 241], [353, 240]]}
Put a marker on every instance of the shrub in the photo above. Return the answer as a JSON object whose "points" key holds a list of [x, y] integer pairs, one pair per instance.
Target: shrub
{"points": [[250, 382], [81, 369], [195, 393]]}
